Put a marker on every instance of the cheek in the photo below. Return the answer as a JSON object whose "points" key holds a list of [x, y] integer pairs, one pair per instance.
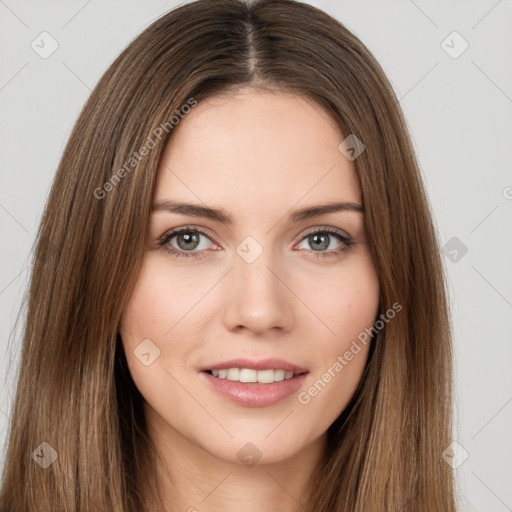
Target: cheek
{"points": [[166, 308], [154, 310], [162, 298], [350, 302], [349, 306]]}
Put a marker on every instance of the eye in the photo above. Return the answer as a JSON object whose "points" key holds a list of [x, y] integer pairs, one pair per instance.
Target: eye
{"points": [[189, 242], [320, 240], [185, 242]]}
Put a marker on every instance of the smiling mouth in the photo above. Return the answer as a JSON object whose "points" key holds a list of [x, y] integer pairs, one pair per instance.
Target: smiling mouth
{"points": [[248, 375]]}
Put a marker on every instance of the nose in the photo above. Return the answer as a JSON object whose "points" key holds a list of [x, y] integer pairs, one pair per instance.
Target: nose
{"points": [[258, 297]]}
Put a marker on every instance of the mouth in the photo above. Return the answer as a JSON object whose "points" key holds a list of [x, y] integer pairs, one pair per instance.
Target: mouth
{"points": [[252, 383], [248, 387]]}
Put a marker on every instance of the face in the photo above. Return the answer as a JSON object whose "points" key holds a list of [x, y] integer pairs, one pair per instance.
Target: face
{"points": [[247, 282]]}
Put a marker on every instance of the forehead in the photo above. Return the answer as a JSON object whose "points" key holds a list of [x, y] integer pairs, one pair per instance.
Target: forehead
{"points": [[256, 149]]}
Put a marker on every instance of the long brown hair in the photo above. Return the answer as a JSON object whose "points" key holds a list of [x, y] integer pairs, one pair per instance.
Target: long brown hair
{"points": [[74, 391]]}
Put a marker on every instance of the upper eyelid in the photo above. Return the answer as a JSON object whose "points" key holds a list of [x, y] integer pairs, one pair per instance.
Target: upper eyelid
{"points": [[176, 231]]}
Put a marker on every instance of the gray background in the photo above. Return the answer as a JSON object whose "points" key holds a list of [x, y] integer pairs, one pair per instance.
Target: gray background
{"points": [[459, 112]]}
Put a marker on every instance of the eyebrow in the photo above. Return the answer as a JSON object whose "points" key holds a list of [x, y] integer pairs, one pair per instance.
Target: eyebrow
{"points": [[196, 210]]}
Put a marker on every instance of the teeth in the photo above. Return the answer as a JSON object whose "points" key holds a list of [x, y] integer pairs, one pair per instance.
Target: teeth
{"points": [[233, 374], [249, 375]]}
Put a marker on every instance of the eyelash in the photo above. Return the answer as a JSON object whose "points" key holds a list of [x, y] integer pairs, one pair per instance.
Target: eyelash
{"points": [[167, 237]]}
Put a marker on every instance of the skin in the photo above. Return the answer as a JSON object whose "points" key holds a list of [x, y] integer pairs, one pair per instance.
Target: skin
{"points": [[258, 156]]}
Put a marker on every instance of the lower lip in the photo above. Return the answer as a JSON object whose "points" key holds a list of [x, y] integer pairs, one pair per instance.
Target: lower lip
{"points": [[253, 394]]}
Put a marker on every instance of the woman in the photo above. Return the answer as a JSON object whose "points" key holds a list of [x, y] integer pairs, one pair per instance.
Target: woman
{"points": [[237, 299]]}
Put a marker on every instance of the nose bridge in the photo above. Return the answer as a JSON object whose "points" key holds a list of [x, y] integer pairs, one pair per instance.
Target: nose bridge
{"points": [[255, 275], [258, 300]]}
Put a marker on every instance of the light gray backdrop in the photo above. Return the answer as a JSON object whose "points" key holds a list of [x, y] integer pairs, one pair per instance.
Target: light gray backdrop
{"points": [[458, 103]]}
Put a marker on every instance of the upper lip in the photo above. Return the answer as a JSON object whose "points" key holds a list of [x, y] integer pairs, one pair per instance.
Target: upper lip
{"points": [[271, 363]]}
